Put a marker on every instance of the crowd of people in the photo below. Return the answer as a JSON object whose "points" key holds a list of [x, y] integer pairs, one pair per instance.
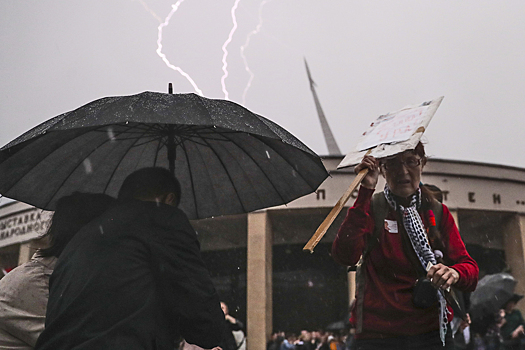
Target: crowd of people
{"points": [[312, 340], [505, 330]]}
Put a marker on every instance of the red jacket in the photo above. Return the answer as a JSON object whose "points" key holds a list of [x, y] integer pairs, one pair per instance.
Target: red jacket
{"points": [[390, 276]]}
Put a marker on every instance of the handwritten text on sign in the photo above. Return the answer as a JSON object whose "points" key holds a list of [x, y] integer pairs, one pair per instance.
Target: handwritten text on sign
{"points": [[395, 127]]}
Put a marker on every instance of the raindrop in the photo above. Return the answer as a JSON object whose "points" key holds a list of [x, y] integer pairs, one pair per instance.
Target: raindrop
{"points": [[310, 284], [101, 229], [268, 154], [87, 166], [294, 173], [127, 122], [111, 134]]}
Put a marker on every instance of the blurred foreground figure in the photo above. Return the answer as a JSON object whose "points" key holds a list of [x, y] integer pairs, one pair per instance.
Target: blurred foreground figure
{"points": [[134, 278], [513, 327], [24, 291], [232, 326], [404, 236]]}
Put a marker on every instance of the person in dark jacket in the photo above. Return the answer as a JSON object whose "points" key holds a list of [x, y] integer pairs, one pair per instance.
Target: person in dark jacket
{"points": [[231, 324], [513, 326], [134, 277], [24, 291]]}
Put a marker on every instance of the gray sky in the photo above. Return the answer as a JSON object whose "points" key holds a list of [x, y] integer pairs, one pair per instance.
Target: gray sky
{"points": [[367, 58]]}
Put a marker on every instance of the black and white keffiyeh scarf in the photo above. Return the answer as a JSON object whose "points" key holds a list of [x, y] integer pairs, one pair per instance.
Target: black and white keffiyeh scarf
{"points": [[416, 232]]}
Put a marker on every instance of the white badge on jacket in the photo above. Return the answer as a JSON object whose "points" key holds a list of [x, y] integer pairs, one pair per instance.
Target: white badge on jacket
{"points": [[391, 226]]}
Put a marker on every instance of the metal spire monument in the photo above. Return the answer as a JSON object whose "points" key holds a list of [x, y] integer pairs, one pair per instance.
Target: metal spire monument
{"points": [[331, 144]]}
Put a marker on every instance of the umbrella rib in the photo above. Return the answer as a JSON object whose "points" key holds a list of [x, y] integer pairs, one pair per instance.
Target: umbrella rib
{"points": [[153, 139], [192, 139], [191, 179], [227, 173], [262, 170], [120, 161], [67, 177], [159, 146], [22, 176]]}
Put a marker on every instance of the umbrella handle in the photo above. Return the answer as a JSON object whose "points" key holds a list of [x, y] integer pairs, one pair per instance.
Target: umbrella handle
{"points": [[321, 230]]}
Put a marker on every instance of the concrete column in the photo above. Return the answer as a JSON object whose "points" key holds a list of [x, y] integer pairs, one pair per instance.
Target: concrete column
{"points": [[25, 253], [514, 244], [259, 280], [351, 286]]}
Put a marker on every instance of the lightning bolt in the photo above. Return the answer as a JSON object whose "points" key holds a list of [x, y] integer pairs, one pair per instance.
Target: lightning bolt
{"points": [[174, 8], [150, 11], [224, 46], [248, 37]]}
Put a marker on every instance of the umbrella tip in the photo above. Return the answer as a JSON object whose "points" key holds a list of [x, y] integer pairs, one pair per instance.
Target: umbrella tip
{"points": [[170, 88]]}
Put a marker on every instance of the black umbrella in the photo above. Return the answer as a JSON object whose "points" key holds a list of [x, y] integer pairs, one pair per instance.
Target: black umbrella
{"points": [[491, 294], [228, 159]]}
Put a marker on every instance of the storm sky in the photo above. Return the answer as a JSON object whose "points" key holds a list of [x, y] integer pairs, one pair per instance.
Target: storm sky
{"points": [[366, 57]]}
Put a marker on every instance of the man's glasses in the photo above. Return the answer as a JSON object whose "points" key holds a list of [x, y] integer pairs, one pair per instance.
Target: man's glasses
{"points": [[395, 163]]}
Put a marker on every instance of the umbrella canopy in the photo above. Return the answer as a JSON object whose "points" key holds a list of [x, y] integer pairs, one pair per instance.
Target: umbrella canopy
{"points": [[491, 294], [228, 159]]}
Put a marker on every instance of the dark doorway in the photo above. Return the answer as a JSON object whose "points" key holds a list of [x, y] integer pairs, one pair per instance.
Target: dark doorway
{"points": [[489, 260], [310, 291], [228, 273]]}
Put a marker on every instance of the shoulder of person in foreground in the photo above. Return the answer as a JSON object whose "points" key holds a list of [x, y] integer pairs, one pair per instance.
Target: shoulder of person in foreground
{"points": [[187, 346], [462, 262], [23, 299]]}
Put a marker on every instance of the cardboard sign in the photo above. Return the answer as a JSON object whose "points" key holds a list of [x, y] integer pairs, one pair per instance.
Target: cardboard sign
{"points": [[393, 133]]}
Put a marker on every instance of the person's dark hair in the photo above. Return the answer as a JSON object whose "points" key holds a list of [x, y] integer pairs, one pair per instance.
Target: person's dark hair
{"points": [[150, 183], [420, 151], [72, 213], [434, 191], [427, 194], [515, 298], [431, 193]]}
